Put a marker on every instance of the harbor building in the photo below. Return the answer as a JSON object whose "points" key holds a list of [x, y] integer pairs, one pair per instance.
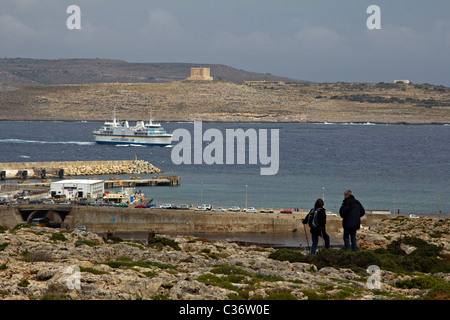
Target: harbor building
{"points": [[78, 188]]}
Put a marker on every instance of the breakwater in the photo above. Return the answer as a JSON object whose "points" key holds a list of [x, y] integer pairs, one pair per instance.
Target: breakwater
{"points": [[144, 220], [59, 169]]}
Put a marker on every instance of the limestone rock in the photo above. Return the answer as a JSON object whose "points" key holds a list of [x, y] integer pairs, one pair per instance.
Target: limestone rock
{"points": [[406, 248], [128, 271]]}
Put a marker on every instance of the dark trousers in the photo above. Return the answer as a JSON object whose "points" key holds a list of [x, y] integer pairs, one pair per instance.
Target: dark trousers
{"points": [[315, 241], [350, 236]]}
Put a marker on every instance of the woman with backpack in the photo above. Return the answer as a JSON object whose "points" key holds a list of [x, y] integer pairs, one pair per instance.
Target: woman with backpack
{"points": [[317, 219]]}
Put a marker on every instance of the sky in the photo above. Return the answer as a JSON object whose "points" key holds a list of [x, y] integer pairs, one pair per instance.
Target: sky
{"points": [[315, 40]]}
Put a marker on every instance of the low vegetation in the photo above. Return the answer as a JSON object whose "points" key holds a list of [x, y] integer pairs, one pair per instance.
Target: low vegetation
{"points": [[425, 258], [160, 242]]}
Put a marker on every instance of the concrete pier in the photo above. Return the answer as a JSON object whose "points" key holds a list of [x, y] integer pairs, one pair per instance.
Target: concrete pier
{"points": [[114, 219]]}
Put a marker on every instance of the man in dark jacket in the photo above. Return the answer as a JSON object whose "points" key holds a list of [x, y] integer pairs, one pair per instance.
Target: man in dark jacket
{"points": [[351, 212]]}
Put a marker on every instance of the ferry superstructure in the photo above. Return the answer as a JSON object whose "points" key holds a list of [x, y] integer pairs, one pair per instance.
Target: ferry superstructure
{"points": [[120, 132]]}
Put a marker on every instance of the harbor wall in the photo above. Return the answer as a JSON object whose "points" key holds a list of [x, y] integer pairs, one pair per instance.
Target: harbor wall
{"points": [[24, 170], [103, 219]]}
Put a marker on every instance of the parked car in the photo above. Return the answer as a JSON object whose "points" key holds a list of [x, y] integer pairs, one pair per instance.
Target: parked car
{"points": [[82, 202], [140, 206], [234, 208], [201, 208], [66, 202], [286, 211], [122, 205], [331, 214], [166, 206], [219, 209], [250, 210], [48, 201], [82, 228], [414, 216], [59, 197], [266, 210], [183, 207], [207, 206], [97, 203]]}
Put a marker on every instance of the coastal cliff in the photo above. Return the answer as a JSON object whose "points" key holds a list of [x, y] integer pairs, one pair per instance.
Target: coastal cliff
{"points": [[44, 263]]}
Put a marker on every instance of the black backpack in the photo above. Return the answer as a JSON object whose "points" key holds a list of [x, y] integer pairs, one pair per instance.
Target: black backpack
{"points": [[313, 218]]}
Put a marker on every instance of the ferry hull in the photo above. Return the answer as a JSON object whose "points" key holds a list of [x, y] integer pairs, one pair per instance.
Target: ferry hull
{"points": [[147, 141]]}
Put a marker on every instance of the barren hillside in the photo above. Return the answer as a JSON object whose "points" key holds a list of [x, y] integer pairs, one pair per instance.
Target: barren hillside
{"points": [[227, 101], [19, 72]]}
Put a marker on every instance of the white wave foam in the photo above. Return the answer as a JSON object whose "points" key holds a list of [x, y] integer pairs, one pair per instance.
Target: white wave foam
{"points": [[47, 142]]}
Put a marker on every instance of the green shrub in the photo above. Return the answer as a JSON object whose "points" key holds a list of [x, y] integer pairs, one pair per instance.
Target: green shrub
{"points": [[150, 274], [289, 255], [3, 246], [313, 295], [424, 248], [422, 282], [281, 296], [114, 239], [89, 243], [20, 226], [24, 283], [92, 270], [160, 242], [426, 258], [212, 279], [439, 288], [58, 237]]}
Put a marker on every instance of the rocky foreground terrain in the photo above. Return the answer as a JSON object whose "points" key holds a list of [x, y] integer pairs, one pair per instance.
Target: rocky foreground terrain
{"points": [[43, 263]]}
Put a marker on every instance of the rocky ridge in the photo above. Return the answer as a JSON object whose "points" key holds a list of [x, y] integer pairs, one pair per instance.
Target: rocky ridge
{"points": [[44, 263]]}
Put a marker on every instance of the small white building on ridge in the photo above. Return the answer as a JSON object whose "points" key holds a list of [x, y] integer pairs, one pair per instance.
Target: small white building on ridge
{"points": [[402, 81], [82, 188]]}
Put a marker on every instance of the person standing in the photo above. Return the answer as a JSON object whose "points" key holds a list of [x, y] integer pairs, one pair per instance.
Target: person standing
{"points": [[351, 212], [317, 219]]}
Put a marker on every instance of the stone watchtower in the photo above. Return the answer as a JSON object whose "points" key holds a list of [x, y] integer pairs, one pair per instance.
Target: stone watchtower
{"points": [[202, 74]]}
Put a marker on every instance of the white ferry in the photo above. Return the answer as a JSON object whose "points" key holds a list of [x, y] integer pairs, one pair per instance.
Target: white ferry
{"points": [[120, 132]]}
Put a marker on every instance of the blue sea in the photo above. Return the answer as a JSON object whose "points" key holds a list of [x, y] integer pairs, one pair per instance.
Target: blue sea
{"points": [[402, 168]]}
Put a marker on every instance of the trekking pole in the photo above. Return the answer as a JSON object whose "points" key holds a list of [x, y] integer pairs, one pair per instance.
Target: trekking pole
{"points": [[323, 238], [306, 235]]}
